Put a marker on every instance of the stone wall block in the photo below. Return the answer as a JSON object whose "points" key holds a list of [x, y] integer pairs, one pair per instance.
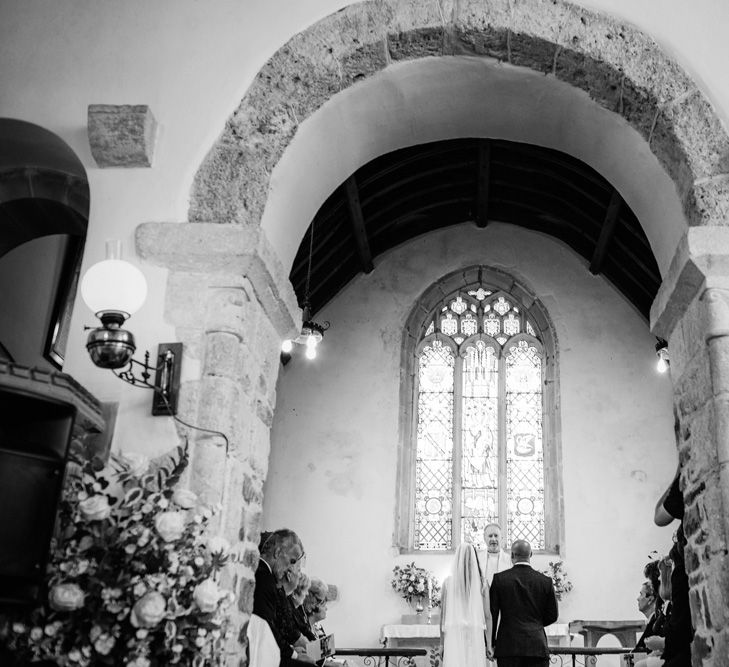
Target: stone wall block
{"points": [[220, 398], [476, 15], [364, 62], [260, 446], [689, 132], [245, 594], [222, 355], [418, 43], [649, 69], [229, 310], [122, 135], [185, 299], [491, 42], [208, 464], [217, 191], [533, 52], [707, 202], [250, 527], [693, 389], [696, 452], [599, 80], [405, 15], [638, 107]]}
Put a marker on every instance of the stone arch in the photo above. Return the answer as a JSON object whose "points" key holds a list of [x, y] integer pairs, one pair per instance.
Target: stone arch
{"points": [[620, 68]]}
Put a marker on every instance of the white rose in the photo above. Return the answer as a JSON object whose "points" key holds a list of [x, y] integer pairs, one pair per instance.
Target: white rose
{"points": [[218, 545], [149, 610], [170, 525], [104, 644], [66, 597], [95, 508], [136, 463], [139, 662], [206, 596], [184, 498]]}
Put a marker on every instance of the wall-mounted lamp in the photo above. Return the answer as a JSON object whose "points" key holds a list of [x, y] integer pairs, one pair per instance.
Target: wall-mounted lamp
{"points": [[662, 354], [115, 289]]}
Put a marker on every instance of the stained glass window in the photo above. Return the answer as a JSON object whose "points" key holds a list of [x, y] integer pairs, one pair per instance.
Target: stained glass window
{"points": [[479, 443]]}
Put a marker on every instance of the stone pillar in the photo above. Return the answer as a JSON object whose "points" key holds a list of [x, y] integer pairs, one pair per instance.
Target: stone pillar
{"points": [[232, 304], [691, 311]]}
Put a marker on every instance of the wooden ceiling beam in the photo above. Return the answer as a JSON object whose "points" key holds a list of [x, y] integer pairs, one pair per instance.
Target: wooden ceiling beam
{"points": [[358, 226], [483, 171], [606, 233]]}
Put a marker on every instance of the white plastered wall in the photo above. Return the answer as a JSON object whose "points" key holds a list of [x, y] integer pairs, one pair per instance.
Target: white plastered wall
{"points": [[332, 473]]}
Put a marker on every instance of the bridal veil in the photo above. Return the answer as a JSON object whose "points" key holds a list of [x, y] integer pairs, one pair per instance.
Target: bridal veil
{"points": [[464, 619]]}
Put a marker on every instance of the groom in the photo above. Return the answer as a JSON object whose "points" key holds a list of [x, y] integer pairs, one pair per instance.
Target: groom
{"points": [[522, 604]]}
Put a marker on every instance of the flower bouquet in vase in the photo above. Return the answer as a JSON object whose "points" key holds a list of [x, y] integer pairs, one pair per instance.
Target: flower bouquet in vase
{"points": [[133, 575], [417, 586]]}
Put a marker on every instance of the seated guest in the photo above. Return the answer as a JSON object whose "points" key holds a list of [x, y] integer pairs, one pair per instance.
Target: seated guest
{"points": [[285, 617], [280, 560], [648, 600], [315, 611], [297, 599], [315, 606]]}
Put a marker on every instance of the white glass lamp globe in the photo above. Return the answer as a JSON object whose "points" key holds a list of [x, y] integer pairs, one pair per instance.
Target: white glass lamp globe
{"points": [[114, 285]]}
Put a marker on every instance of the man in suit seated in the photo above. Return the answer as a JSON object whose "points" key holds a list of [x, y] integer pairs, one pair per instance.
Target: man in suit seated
{"points": [[280, 560], [522, 604]]}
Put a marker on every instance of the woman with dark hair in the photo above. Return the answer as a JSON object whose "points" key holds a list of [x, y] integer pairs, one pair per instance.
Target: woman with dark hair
{"points": [[652, 637]]}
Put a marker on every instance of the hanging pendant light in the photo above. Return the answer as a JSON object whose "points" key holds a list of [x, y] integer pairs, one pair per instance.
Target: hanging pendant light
{"points": [[312, 332]]}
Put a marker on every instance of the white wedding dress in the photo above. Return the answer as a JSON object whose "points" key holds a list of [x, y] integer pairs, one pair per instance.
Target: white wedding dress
{"points": [[464, 619]]}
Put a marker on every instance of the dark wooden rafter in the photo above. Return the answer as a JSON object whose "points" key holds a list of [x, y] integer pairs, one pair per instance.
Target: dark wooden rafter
{"points": [[483, 170], [419, 189], [606, 232], [358, 226]]}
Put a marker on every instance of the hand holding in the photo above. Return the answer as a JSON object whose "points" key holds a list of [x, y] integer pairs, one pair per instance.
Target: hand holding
{"points": [[655, 643]]}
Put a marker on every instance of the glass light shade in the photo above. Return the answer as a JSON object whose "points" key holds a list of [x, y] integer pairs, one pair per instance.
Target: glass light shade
{"points": [[287, 346], [310, 352], [114, 285], [661, 365]]}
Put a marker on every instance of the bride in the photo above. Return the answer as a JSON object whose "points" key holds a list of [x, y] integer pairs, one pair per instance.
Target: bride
{"points": [[465, 626]]}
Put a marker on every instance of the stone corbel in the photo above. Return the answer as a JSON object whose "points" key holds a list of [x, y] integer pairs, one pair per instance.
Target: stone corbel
{"points": [[225, 249], [701, 263]]}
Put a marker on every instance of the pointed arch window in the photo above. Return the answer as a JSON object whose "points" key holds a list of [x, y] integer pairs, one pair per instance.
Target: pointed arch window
{"points": [[482, 446]]}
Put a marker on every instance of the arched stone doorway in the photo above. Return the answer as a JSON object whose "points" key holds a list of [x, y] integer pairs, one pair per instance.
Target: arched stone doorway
{"points": [[235, 275]]}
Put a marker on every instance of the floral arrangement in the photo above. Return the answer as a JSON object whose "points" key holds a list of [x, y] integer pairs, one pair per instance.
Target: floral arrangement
{"points": [[132, 578], [413, 582], [562, 585]]}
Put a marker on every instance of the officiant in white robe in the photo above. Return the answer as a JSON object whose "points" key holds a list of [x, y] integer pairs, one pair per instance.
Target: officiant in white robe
{"points": [[493, 559]]}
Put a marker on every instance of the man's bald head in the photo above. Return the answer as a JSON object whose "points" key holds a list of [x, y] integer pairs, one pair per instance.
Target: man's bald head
{"points": [[521, 551]]}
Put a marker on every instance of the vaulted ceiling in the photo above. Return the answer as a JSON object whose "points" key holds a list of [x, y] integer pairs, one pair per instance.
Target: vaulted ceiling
{"points": [[415, 190]]}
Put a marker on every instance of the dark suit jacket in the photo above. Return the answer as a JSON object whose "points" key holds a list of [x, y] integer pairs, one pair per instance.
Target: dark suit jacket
{"points": [[264, 605], [522, 603]]}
